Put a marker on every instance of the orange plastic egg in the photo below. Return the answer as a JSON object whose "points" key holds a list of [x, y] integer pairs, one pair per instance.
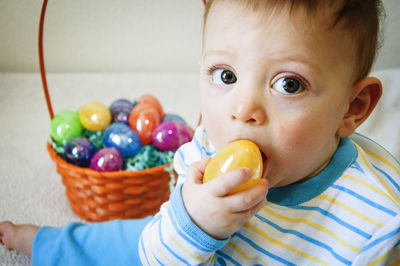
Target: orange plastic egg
{"points": [[144, 119], [95, 116], [151, 100], [235, 155]]}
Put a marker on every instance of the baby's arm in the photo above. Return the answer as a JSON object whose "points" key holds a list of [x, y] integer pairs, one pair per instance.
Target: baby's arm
{"points": [[18, 237], [199, 218]]}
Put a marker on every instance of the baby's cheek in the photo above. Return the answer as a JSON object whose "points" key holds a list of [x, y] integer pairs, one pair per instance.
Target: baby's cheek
{"points": [[307, 145], [292, 135], [299, 147], [214, 131]]}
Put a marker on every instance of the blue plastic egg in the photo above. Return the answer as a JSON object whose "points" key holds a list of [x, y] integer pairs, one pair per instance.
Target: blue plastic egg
{"points": [[122, 138], [120, 110], [173, 117], [79, 151]]}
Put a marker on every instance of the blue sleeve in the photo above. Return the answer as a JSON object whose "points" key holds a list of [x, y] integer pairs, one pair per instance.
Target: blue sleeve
{"points": [[173, 238], [107, 243], [185, 223]]}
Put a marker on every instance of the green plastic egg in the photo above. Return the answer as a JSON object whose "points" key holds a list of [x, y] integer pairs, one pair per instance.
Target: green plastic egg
{"points": [[65, 126]]}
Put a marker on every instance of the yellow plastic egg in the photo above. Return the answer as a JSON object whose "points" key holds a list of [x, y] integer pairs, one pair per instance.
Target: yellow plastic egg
{"points": [[95, 116], [235, 155]]}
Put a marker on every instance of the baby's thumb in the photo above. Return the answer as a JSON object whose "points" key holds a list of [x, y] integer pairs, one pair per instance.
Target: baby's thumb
{"points": [[196, 171]]}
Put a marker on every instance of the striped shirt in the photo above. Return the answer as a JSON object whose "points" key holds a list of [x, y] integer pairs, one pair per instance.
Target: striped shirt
{"points": [[348, 214]]}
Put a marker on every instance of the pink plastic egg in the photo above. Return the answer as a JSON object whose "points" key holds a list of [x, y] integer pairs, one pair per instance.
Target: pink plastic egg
{"points": [[169, 135], [106, 160], [144, 119]]}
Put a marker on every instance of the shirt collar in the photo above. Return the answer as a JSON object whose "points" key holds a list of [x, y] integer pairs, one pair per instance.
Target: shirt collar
{"points": [[300, 192]]}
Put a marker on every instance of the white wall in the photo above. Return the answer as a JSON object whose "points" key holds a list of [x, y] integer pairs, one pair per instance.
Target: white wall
{"points": [[389, 56], [123, 35]]}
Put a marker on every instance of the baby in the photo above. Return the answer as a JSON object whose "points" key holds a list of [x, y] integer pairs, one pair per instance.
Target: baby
{"points": [[292, 76]]}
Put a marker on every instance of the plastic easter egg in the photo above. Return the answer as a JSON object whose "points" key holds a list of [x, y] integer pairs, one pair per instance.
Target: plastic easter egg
{"points": [[235, 155], [153, 101], [144, 119], [79, 151], [65, 126], [173, 117], [122, 138], [169, 135], [106, 160], [95, 116], [120, 110]]}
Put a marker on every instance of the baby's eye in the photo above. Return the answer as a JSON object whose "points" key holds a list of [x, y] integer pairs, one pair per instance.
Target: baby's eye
{"points": [[288, 85], [224, 77]]}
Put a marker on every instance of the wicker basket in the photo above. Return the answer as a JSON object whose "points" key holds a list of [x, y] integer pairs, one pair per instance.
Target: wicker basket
{"points": [[101, 196]]}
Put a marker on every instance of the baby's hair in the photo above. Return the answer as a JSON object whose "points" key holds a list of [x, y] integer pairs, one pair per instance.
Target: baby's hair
{"points": [[360, 18]]}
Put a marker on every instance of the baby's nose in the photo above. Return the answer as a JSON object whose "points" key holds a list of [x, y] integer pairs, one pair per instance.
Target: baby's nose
{"points": [[248, 108]]}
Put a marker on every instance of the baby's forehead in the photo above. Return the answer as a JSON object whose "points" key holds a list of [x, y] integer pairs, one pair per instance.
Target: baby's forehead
{"points": [[321, 14], [313, 22], [283, 31]]}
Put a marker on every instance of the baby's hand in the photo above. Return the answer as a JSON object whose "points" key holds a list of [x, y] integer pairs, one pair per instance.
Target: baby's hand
{"points": [[212, 209], [18, 237]]}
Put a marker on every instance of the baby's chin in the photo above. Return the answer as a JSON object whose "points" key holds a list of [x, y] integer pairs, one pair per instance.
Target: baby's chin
{"points": [[276, 177], [283, 178], [274, 182]]}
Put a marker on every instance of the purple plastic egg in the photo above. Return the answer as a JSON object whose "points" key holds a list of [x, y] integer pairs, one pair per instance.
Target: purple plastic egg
{"points": [[106, 160], [169, 135], [120, 110], [79, 151]]}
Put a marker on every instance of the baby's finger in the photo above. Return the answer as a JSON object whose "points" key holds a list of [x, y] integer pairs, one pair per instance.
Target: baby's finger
{"points": [[249, 198], [196, 171], [244, 216], [223, 184]]}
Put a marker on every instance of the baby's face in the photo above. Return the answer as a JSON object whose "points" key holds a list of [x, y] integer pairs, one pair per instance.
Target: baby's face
{"points": [[281, 81]]}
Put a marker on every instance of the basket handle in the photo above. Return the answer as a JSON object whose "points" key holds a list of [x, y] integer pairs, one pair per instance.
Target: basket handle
{"points": [[41, 60]]}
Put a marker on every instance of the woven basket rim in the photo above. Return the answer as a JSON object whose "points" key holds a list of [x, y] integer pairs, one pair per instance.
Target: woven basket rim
{"points": [[90, 172]]}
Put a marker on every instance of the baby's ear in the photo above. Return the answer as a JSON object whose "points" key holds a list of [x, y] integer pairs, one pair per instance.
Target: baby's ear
{"points": [[365, 96]]}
